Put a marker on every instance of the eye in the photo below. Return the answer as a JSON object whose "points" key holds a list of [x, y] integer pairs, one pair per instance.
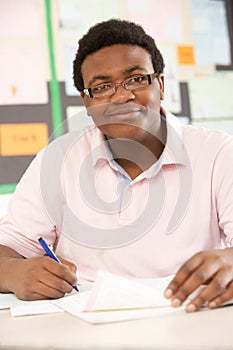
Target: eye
{"points": [[101, 88], [136, 79]]}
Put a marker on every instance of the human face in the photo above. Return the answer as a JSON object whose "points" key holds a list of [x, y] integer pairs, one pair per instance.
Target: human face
{"points": [[125, 114]]}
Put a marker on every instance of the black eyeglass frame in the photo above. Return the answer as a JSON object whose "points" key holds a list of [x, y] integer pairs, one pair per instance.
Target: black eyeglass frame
{"points": [[150, 77]]}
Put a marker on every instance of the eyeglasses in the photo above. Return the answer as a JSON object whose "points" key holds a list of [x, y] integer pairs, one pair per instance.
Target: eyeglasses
{"points": [[107, 89]]}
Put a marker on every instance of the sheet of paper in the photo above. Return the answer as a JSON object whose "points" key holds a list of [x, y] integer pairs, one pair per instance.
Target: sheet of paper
{"points": [[13, 21], [22, 308], [211, 37], [22, 139], [22, 83], [171, 88], [77, 118], [185, 54], [77, 15], [42, 307], [161, 24], [112, 292], [131, 294], [214, 104], [70, 50], [8, 300], [75, 305], [98, 317], [224, 125]]}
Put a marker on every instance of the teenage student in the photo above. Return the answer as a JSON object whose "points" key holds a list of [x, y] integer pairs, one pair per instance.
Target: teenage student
{"points": [[138, 194]]}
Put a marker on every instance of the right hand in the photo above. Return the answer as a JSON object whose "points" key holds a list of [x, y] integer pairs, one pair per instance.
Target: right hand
{"points": [[40, 278]]}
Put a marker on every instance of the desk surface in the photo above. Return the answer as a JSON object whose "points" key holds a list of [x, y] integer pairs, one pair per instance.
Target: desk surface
{"points": [[211, 329]]}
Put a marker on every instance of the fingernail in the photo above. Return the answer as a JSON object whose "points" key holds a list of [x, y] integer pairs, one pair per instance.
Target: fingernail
{"points": [[168, 293], [212, 304], [191, 308], [176, 302]]}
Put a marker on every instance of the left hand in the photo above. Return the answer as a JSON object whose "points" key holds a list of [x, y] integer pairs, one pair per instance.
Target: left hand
{"points": [[213, 268]]}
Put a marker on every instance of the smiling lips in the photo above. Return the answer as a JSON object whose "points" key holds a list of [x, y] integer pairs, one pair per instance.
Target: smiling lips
{"points": [[123, 113]]}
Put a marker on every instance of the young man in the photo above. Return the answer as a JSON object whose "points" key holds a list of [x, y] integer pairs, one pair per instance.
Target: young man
{"points": [[138, 195]]}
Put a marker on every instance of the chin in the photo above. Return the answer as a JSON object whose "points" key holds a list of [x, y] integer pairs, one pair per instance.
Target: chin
{"points": [[122, 131]]}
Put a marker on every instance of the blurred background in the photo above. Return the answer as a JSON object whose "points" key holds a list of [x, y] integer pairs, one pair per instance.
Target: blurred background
{"points": [[38, 41]]}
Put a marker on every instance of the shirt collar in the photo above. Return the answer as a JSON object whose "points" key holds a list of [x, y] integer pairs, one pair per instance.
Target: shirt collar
{"points": [[99, 148], [174, 151]]}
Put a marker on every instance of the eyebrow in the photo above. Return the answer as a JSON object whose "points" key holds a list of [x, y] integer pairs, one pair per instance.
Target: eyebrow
{"points": [[133, 68], [99, 77], [108, 77]]}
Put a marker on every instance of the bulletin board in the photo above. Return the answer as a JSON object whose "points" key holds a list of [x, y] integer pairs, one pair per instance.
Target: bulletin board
{"points": [[37, 95]]}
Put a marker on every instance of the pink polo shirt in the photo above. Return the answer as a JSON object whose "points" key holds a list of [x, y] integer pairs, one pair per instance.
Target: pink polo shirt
{"points": [[76, 197]]}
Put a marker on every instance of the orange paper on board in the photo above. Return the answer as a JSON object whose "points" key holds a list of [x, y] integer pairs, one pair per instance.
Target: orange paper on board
{"points": [[185, 55], [22, 139]]}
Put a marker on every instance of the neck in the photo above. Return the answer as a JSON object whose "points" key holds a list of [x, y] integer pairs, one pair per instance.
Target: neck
{"points": [[136, 156]]}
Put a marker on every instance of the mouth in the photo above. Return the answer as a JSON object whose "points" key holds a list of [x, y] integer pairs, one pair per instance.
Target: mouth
{"points": [[123, 113]]}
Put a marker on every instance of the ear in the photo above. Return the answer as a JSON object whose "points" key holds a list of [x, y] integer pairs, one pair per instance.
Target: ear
{"points": [[86, 101], [82, 96], [161, 84]]}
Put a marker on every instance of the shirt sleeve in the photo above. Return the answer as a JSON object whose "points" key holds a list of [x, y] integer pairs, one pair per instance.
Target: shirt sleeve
{"points": [[223, 189], [27, 218]]}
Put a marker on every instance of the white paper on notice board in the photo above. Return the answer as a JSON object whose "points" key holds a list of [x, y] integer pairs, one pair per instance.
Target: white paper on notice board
{"points": [[209, 96], [211, 37], [77, 118], [69, 56], [77, 15], [23, 77], [20, 18], [171, 85]]}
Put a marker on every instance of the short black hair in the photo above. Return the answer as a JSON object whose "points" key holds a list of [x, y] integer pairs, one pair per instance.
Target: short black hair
{"points": [[111, 32]]}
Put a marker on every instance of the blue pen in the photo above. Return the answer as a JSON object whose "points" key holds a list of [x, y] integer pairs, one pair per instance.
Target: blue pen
{"points": [[51, 254]]}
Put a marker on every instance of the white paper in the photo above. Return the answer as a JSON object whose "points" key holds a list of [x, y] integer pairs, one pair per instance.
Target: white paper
{"points": [[162, 24], [224, 125], [111, 292], [77, 118], [99, 317], [69, 56], [26, 80], [121, 299], [20, 18], [35, 308], [211, 37], [76, 304], [209, 97], [8, 300], [20, 307]]}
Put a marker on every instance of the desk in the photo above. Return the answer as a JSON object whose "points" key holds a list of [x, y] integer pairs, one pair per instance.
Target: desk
{"points": [[211, 329]]}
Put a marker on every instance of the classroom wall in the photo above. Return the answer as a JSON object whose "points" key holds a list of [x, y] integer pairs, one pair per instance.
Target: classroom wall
{"points": [[38, 40]]}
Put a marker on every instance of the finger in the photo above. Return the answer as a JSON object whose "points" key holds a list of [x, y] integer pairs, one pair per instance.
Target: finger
{"points": [[71, 266], [211, 291], [29, 296], [39, 291], [183, 273], [60, 270], [47, 292], [226, 296], [198, 278], [55, 282]]}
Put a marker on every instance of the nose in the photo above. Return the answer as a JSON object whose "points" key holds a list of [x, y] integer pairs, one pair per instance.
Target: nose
{"points": [[122, 95]]}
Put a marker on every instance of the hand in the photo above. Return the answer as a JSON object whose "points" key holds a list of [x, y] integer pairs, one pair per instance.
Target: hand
{"points": [[213, 268], [41, 278]]}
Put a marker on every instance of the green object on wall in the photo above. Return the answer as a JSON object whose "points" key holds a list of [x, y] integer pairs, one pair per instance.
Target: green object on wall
{"points": [[53, 85], [56, 105]]}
